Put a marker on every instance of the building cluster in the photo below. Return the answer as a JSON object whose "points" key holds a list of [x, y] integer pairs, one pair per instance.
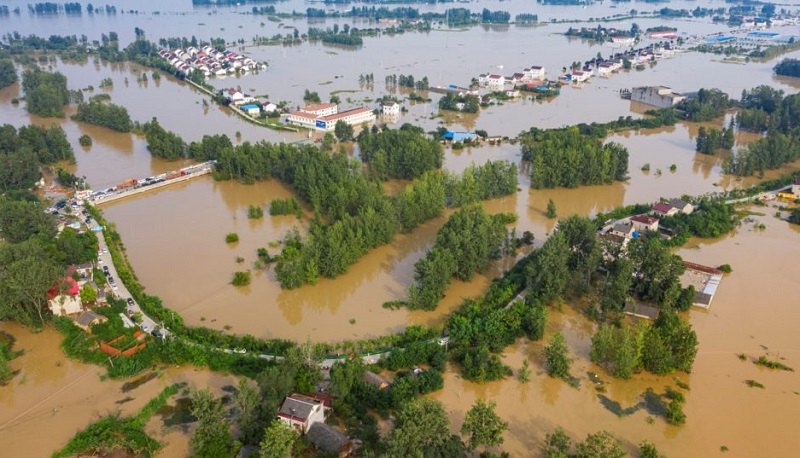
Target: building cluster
{"points": [[624, 230], [209, 61], [495, 82], [324, 116], [616, 62], [253, 106]]}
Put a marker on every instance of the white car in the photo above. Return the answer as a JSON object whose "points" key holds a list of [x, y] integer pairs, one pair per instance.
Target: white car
{"points": [[114, 286]]}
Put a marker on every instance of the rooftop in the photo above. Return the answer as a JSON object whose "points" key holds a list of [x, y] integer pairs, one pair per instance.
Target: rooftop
{"points": [[326, 438], [343, 114], [662, 207], [644, 219], [318, 107], [298, 406], [86, 318]]}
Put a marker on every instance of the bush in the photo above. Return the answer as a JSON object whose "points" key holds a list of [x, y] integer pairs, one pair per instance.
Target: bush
{"points": [[232, 237], [725, 268], [255, 212], [85, 140], [241, 278]]}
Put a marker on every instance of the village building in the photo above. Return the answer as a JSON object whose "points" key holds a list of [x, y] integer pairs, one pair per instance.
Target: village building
{"points": [[535, 72], [682, 206], [88, 319], [796, 187], [496, 82], [642, 223], [234, 96], [301, 412], [705, 280], [329, 440], [657, 96], [375, 380], [390, 108], [67, 302], [252, 109], [663, 209], [623, 229], [580, 76], [322, 109], [325, 116]]}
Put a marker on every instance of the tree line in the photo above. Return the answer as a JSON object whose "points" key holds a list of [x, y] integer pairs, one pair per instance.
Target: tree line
{"points": [[767, 110], [8, 74], [46, 93], [34, 257], [463, 247], [23, 151], [405, 153], [109, 115], [711, 139], [565, 157]]}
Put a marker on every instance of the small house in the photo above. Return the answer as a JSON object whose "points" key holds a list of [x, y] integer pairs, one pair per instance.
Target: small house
{"points": [[796, 187], [390, 108], [623, 229], [663, 209], [682, 206], [233, 95], [268, 106], [580, 76], [495, 82], [64, 299], [327, 439], [88, 319], [252, 109], [459, 136], [643, 223], [301, 412], [375, 380], [535, 72]]}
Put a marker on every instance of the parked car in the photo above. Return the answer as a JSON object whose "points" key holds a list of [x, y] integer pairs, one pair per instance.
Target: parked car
{"points": [[130, 301]]}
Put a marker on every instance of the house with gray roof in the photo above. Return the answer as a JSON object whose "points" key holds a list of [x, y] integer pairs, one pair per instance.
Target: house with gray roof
{"points": [[301, 412], [329, 440]]}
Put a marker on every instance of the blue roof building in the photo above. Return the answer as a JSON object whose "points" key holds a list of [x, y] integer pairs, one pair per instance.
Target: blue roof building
{"points": [[459, 136]]}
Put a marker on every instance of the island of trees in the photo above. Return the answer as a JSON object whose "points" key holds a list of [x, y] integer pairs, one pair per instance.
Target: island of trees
{"points": [[565, 157]]}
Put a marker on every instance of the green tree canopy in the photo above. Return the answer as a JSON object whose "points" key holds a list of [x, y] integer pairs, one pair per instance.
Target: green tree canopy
{"points": [[483, 426]]}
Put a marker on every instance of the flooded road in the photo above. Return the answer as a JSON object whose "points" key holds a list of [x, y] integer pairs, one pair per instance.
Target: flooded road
{"points": [[754, 313], [59, 396]]}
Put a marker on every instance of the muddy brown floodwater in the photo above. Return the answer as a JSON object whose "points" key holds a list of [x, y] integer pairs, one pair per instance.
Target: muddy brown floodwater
{"points": [[175, 236], [53, 397], [755, 312], [183, 258]]}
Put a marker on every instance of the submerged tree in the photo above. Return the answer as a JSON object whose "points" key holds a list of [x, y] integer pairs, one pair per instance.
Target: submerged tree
{"points": [[483, 426]]}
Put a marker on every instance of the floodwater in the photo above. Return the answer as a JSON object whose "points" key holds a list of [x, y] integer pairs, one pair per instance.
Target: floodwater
{"points": [[59, 396], [175, 236], [753, 313]]}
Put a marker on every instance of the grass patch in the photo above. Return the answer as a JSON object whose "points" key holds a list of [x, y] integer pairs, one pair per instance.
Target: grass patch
{"points": [[771, 364], [753, 384], [114, 433]]}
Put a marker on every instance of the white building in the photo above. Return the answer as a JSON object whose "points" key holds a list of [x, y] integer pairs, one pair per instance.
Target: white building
{"points": [[315, 120], [390, 108], [322, 109], [580, 76], [658, 96], [535, 72], [496, 82], [301, 412]]}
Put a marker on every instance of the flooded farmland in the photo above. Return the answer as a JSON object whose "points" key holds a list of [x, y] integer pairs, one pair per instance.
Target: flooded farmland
{"points": [[55, 394], [175, 236]]}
